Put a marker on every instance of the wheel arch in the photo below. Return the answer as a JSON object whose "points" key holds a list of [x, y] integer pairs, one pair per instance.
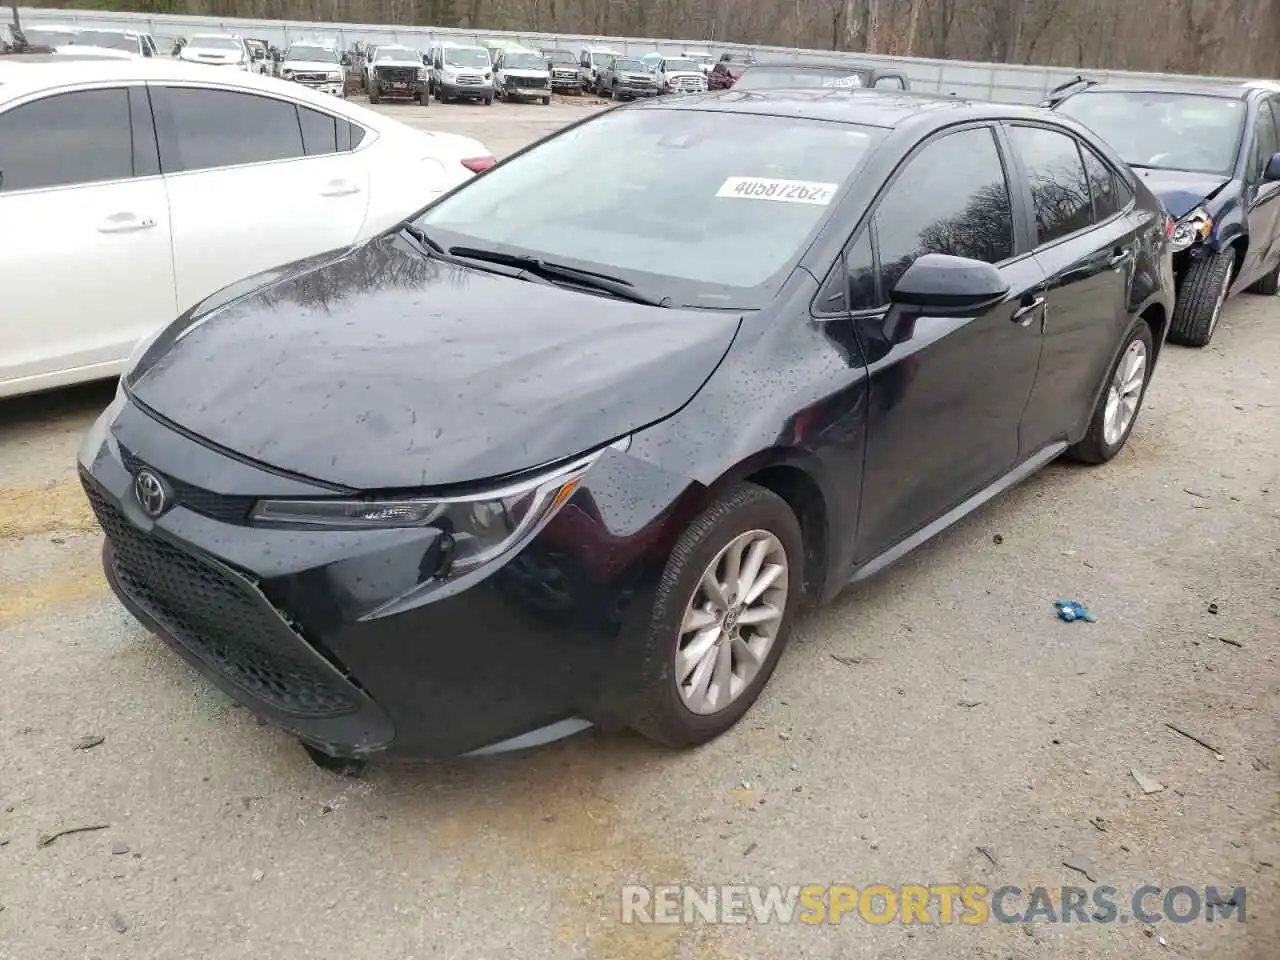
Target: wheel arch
{"points": [[791, 475]]}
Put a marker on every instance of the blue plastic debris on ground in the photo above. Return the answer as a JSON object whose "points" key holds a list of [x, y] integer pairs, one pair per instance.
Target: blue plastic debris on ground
{"points": [[1071, 610]]}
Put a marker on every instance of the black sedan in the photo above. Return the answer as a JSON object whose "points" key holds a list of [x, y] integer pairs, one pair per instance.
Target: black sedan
{"points": [[573, 446], [1212, 154]]}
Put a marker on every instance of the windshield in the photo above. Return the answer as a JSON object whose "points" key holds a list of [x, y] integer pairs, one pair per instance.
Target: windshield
{"points": [[109, 39], [301, 52], [673, 65], [605, 195], [633, 65], [214, 43], [47, 36], [395, 53], [466, 57], [770, 78], [524, 61], [1170, 131], [561, 56]]}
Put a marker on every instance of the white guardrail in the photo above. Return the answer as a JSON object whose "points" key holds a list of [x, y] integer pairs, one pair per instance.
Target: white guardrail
{"points": [[1010, 83]]}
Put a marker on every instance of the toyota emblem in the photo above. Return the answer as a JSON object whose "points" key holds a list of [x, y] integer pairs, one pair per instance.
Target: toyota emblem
{"points": [[151, 493]]}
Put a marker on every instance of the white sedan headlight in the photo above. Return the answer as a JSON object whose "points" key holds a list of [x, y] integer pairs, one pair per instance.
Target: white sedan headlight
{"points": [[1191, 229], [334, 76]]}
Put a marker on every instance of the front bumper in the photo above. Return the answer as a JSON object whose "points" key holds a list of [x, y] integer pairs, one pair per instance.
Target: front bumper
{"points": [[341, 639], [567, 83], [476, 91], [334, 88], [627, 90], [526, 93]]}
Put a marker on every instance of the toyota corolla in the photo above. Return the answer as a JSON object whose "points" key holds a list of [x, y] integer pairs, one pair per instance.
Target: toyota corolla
{"points": [[572, 446]]}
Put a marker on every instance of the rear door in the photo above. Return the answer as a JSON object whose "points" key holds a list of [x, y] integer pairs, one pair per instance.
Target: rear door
{"points": [[85, 263], [946, 401], [254, 182], [1087, 246]]}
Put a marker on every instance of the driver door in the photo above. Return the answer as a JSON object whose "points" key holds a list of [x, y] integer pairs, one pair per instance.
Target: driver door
{"points": [[945, 401]]}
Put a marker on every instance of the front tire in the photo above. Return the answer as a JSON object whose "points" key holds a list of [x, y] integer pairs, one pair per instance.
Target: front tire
{"points": [[721, 618], [1117, 409], [373, 96], [1199, 304]]}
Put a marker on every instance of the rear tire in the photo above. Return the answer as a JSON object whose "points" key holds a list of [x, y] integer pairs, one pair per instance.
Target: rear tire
{"points": [[1268, 285], [1199, 305], [746, 516], [1100, 443]]}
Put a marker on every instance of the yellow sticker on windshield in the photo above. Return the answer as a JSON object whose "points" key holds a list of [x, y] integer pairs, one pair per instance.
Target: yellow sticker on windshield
{"points": [[784, 191]]}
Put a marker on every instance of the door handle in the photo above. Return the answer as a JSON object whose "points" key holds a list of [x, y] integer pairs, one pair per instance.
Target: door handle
{"points": [[125, 223], [339, 188], [1120, 256], [1026, 313]]}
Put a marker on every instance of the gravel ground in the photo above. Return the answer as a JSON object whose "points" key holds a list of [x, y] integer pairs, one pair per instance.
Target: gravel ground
{"points": [[934, 710]]}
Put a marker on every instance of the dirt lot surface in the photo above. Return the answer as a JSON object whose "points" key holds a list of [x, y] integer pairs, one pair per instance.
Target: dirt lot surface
{"points": [[938, 709]]}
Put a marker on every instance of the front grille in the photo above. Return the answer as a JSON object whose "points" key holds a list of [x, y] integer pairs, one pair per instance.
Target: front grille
{"points": [[565, 75], [469, 79], [217, 616], [310, 77], [531, 83], [688, 84], [216, 506], [400, 74]]}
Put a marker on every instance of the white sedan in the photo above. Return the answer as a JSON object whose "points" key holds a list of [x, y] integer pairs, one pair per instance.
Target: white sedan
{"points": [[132, 190]]}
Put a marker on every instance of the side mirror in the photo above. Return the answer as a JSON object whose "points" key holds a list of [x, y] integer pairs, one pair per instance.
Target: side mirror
{"points": [[945, 284], [1273, 168], [346, 59]]}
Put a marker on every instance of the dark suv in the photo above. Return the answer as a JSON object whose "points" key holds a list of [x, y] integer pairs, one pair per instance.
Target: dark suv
{"points": [[1209, 151]]}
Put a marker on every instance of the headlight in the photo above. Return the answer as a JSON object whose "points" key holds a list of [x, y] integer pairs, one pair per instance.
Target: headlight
{"points": [[1191, 229], [287, 74], [473, 529], [488, 76], [422, 73], [335, 75]]}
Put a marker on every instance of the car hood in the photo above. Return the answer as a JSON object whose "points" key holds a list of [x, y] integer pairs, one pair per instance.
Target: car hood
{"points": [[105, 52], [379, 368], [311, 66], [635, 75], [524, 72], [1181, 191]]}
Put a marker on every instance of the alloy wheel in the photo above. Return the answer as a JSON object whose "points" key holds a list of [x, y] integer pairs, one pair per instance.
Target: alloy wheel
{"points": [[1124, 393], [731, 621]]}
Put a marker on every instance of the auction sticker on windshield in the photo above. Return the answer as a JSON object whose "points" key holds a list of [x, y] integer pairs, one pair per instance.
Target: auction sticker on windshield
{"points": [[785, 191], [837, 83]]}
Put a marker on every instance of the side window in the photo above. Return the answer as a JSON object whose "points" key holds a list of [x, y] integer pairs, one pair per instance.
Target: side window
{"points": [[1102, 185], [203, 129], [319, 132], [42, 144], [889, 83], [1264, 141], [952, 198], [1059, 188], [584, 60]]}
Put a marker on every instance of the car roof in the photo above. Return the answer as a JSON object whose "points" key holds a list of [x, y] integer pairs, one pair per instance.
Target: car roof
{"points": [[872, 108], [1233, 91], [60, 70]]}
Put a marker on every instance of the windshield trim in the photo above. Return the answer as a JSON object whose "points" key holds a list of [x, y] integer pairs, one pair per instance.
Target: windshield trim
{"points": [[734, 297], [1242, 129]]}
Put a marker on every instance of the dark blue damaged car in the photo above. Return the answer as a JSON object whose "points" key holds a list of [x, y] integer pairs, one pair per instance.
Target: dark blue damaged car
{"points": [[1211, 153], [573, 446]]}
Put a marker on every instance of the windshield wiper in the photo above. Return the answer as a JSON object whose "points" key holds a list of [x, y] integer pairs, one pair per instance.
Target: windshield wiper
{"points": [[588, 279], [423, 238]]}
